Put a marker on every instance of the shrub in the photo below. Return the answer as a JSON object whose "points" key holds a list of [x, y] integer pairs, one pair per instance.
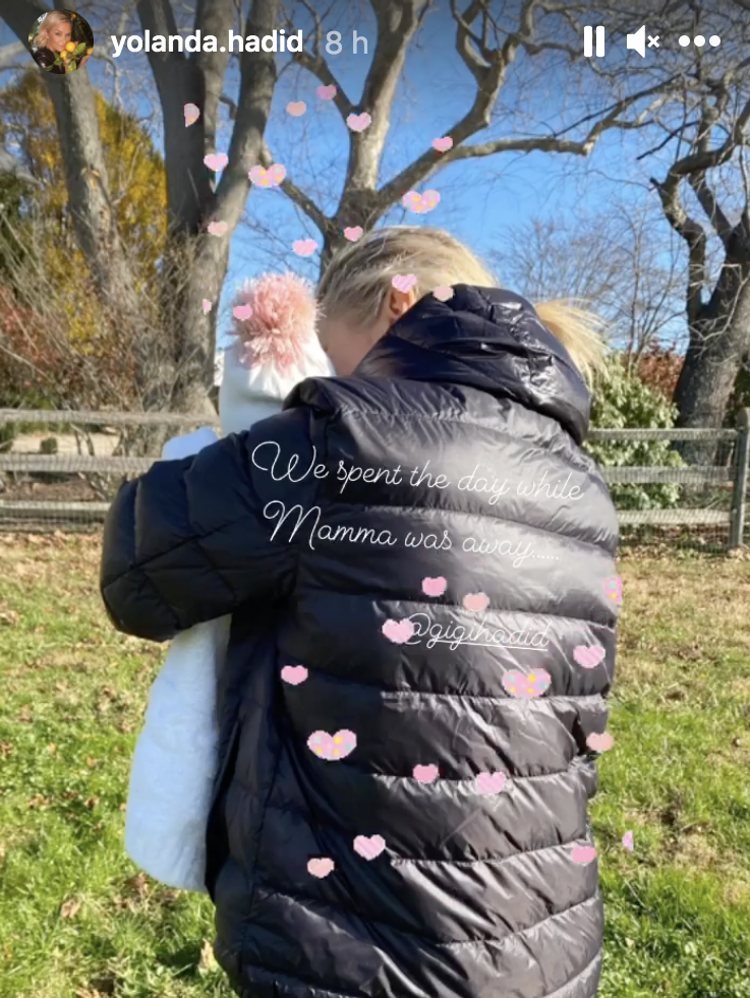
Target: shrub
{"points": [[621, 399], [659, 368], [48, 445], [8, 433]]}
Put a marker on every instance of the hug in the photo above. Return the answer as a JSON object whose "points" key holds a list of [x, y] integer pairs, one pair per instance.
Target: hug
{"points": [[385, 819]]}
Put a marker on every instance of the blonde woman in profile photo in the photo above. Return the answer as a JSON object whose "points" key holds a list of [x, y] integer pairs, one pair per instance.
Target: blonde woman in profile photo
{"points": [[60, 44]]}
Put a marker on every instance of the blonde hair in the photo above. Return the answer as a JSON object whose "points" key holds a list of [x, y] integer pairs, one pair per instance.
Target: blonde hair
{"points": [[54, 17], [359, 276]]}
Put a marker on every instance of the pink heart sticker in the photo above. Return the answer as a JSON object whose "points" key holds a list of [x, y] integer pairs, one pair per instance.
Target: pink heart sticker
{"points": [[583, 854], [627, 841], [613, 589], [475, 601], [259, 176], [296, 108], [491, 783], [443, 293], [216, 161], [600, 742], [320, 867], [332, 747], [398, 631], [369, 847], [304, 247], [525, 686], [434, 586], [191, 112], [271, 177], [326, 93], [353, 233], [420, 203], [588, 656], [242, 312], [443, 144], [425, 774], [217, 228], [294, 674], [206, 306], [404, 282], [359, 122]]}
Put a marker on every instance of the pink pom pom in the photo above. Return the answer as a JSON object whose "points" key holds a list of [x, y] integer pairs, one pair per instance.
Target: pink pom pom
{"points": [[282, 317]]}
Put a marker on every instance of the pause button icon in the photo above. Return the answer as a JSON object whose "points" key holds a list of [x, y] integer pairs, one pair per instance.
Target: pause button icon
{"points": [[593, 41]]}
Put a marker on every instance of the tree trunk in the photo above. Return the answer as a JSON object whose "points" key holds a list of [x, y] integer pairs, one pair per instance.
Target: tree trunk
{"points": [[193, 332], [89, 199], [719, 338], [195, 261], [357, 207], [208, 255]]}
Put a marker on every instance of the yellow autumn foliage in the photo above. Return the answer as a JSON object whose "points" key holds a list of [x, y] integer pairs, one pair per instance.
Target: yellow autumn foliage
{"points": [[136, 181]]}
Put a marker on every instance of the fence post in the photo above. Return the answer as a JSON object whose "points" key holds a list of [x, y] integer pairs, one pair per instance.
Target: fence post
{"points": [[740, 482]]}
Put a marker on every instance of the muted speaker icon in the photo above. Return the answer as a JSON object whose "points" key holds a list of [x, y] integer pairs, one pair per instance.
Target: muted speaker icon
{"points": [[637, 41]]}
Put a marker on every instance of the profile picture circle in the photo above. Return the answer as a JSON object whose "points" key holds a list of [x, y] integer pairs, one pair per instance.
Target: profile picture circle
{"points": [[61, 41]]}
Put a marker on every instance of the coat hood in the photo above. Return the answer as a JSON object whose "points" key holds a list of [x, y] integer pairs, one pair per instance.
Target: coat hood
{"points": [[486, 338]]}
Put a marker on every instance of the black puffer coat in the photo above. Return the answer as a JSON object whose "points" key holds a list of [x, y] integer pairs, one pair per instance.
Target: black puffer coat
{"points": [[401, 814]]}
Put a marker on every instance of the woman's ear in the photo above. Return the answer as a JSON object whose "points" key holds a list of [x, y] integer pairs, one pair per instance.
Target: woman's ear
{"points": [[397, 302]]}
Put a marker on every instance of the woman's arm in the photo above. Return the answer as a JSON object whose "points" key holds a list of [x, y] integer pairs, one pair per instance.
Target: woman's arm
{"points": [[189, 541]]}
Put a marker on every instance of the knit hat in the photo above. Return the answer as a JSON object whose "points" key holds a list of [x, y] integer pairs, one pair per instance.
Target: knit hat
{"points": [[275, 347]]}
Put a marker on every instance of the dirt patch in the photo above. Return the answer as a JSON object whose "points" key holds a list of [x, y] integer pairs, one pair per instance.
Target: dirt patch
{"points": [[73, 490], [29, 443], [737, 890], [695, 849]]}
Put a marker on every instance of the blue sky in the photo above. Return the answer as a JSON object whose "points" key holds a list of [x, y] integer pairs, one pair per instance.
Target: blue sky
{"points": [[482, 199]]}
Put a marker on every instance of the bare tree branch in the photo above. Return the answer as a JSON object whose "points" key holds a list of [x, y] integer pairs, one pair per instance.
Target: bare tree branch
{"points": [[672, 133], [10, 165], [705, 159], [707, 199], [361, 200], [430, 161], [489, 68], [314, 62], [299, 197], [479, 58], [231, 104], [745, 173], [317, 65], [693, 234], [397, 20], [10, 53]]}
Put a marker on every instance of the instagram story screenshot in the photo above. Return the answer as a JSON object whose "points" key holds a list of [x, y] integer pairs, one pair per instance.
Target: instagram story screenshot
{"points": [[374, 499]]}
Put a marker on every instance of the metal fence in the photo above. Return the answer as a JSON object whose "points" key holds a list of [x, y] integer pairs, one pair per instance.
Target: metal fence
{"points": [[60, 469]]}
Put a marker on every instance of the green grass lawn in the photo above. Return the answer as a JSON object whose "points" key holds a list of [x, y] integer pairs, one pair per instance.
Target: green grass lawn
{"points": [[77, 918]]}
